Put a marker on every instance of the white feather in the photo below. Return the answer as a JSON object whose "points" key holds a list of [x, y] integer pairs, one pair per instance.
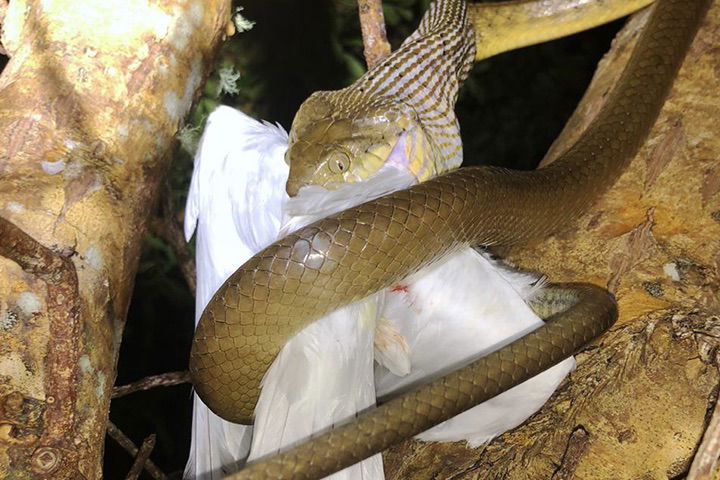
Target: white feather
{"points": [[235, 208], [391, 348], [322, 376], [457, 310]]}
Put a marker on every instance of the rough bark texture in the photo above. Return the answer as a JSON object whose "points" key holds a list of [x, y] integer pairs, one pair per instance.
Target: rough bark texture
{"points": [[89, 105], [372, 25], [638, 404]]}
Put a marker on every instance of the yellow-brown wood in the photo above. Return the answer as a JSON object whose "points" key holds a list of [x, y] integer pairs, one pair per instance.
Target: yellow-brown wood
{"points": [[89, 105]]}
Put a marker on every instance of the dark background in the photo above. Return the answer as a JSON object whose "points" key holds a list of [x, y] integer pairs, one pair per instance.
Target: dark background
{"points": [[510, 110]]}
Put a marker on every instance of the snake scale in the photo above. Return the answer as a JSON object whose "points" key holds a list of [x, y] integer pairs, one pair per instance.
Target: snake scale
{"points": [[406, 103]]}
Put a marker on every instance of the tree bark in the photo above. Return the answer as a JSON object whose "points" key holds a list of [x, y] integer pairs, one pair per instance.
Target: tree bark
{"points": [[372, 25], [638, 403], [89, 105]]}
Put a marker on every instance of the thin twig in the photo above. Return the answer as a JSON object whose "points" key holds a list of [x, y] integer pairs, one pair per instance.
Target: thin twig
{"points": [[168, 379], [168, 228], [116, 434], [372, 25], [703, 465], [141, 458]]}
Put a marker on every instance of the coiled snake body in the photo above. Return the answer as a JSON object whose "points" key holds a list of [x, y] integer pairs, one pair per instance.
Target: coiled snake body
{"points": [[402, 109]]}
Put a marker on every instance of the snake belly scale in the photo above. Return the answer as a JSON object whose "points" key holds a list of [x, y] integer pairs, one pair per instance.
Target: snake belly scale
{"points": [[350, 255]]}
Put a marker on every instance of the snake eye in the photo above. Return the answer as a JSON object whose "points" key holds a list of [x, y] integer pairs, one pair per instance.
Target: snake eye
{"points": [[338, 162]]}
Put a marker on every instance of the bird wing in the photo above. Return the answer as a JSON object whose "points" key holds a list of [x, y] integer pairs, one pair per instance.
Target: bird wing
{"points": [[325, 373], [238, 168], [322, 376]]}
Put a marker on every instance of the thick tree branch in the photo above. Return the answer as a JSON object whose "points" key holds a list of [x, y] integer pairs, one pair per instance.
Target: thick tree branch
{"points": [[57, 273], [90, 102], [704, 464]]}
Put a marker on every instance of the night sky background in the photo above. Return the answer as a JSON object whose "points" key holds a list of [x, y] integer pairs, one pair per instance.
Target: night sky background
{"points": [[510, 111]]}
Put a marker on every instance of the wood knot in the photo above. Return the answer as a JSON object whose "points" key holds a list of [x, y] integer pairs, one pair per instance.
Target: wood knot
{"points": [[45, 459]]}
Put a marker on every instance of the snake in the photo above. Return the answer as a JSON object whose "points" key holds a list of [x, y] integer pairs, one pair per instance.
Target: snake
{"points": [[402, 111]]}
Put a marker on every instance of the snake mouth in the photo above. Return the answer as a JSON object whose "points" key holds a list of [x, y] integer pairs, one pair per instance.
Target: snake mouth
{"points": [[292, 188], [338, 163], [407, 150], [304, 176], [305, 167]]}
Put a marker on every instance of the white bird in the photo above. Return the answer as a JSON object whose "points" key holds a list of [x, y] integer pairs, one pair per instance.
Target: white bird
{"points": [[443, 316], [325, 373]]}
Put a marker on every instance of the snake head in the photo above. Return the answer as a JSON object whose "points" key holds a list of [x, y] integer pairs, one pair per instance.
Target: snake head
{"points": [[334, 144]]}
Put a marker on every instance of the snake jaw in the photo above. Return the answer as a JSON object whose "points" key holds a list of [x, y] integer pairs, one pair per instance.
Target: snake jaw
{"points": [[303, 173], [327, 150]]}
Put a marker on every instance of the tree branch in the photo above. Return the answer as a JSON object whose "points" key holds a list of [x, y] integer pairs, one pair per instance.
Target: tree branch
{"points": [[141, 458], [90, 102], [703, 465], [637, 406], [163, 380], [58, 275], [168, 228], [372, 25], [116, 434]]}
